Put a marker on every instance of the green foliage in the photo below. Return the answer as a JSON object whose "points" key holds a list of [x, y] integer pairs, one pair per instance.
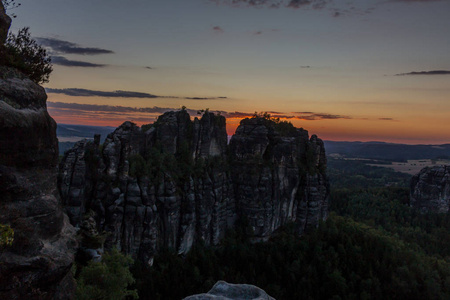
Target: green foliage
{"points": [[88, 233], [342, 259], [146, 127], [356, 174], [108, 279], [379, 248], [25, 54], [387, 209], [284, 128], [308, 162], [138, 166], [6, 235], [379, 197]]}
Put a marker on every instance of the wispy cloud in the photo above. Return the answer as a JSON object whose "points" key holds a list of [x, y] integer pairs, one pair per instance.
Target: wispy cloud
{"points": [[109, 108], [218, 29], [89, 93], [66, 47], [204, 98], [62, 61], [416, 1], [77, 92], [109, 114], [317, 4], [311, 116], [435, 72], [336, 8]]}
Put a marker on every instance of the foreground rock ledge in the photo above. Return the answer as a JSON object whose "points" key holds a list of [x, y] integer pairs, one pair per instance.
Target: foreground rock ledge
{"points": [[227, 291], [37, 265]]}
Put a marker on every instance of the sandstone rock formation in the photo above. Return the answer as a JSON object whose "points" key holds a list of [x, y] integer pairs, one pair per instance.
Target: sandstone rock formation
{"points": [[5, 22], [37, 265], [278, 176], [430, 189], [227, 291], [177, 181]]}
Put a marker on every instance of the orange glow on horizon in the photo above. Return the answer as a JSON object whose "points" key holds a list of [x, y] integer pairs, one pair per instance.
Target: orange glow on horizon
{"points": [[336, 130]]}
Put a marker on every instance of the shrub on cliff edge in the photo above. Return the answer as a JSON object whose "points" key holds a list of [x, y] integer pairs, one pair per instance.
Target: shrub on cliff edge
{"points": [[25, 54]]}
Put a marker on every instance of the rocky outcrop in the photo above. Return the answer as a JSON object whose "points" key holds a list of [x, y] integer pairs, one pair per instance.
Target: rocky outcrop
{"points": [[177, 181], [227, 291], [430, 190], [37, 265], [5, 23], [278, 176]]}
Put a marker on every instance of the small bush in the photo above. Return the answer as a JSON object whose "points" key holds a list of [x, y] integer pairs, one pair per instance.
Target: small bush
{"points": [[25, 54], [108, 279], [6, 235]]}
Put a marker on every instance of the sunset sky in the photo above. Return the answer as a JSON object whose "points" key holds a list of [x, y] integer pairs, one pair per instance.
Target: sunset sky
{"points": [[344, 70]]}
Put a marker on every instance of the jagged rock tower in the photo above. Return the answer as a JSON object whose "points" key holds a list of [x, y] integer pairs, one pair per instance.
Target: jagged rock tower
{"points": [[37, 265], [430, 190], [177, 181]]}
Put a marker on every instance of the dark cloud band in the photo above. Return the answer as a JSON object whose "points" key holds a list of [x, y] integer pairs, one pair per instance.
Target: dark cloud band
{"points": [[62, 61], [76, 92], [436, 72], [119, 110], [90, 93], [60, 46]]}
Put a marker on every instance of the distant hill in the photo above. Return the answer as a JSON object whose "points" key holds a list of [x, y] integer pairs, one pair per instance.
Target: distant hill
{"points": [[387, 151], [69, 134]]}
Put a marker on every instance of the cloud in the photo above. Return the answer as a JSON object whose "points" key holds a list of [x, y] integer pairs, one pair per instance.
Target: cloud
{"points": [[60, 46], [62, 61], [408, 1], [200, 98], [435, 72], [112, 109], [315, 4], [311, 116], [87, 93], [307, 116], [109, 113], [336, 8], [76, 92], [218, 29]]}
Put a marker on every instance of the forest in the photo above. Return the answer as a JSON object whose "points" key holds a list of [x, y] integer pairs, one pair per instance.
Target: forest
{"points": [[372, 246]]}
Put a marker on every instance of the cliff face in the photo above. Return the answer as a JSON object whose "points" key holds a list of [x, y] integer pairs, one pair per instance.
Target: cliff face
{"points": [[430, 189], [177, 182], [37, 265], [278, 176]]}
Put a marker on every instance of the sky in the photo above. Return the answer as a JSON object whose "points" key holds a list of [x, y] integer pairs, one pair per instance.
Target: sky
{"points": [[341, 69]]}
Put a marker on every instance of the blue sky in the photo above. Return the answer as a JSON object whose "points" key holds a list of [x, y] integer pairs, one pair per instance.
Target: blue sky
{"points": [[332, 67]]}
